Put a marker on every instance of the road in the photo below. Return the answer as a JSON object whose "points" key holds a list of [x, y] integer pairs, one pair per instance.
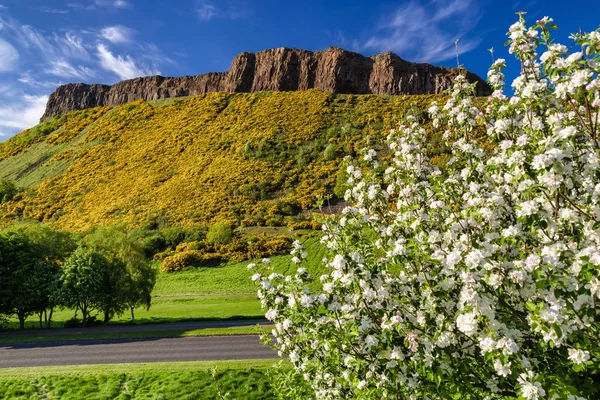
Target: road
{"points": [[111, 351]]}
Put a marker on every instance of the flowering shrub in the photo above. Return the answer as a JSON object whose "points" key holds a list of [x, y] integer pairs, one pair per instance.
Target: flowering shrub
{"points": [[474, 279]]}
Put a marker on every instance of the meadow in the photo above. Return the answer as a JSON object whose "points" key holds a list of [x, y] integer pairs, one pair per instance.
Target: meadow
{"points": [[248, 379]]}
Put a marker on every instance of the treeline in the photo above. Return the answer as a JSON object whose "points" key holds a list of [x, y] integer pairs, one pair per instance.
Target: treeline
{"points": [[42, 269]]}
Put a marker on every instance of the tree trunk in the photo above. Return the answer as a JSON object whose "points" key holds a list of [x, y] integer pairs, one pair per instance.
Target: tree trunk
{"points": [[132, 314], [106, 316], [49, 320], [84, 315], [21, 315], [40, 314]]}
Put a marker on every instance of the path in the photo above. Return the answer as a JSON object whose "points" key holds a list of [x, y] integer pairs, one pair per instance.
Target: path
{"points": [[110, 351]]}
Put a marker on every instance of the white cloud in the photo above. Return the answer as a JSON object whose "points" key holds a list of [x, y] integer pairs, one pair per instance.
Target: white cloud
{"points": [[29, 78], [121, 4], [72, 46], [123, 67], [100, 3], [207, 11], [8, 56], [427, 32], [23, 114], [64, 69], [118, 34], [53, 10]]}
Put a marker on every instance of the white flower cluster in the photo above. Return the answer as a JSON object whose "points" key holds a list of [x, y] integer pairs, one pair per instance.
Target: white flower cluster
{"points": [[480, 277]]}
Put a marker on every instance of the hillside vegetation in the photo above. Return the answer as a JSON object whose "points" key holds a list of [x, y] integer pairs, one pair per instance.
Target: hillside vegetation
{"points": [[239, 158]]}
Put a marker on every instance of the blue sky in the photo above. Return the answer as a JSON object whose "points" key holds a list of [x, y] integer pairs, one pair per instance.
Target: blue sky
{"points": [[47, 43]]}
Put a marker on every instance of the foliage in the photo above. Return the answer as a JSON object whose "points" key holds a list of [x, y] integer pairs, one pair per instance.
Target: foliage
{"points": [[237, 158], [8, 190], [83, 281], [219, 234], [30, 259], [130, 278], [478, 278]]}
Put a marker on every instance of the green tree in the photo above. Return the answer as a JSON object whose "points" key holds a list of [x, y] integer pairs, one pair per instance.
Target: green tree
{"points": [[27, 279], [51, 247], [131, 278], [8, 190], [83, 280]]}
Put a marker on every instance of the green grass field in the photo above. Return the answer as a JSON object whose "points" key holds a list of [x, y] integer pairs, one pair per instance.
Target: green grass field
{"points": [[235, 330], [246, 379], [224, 292]]}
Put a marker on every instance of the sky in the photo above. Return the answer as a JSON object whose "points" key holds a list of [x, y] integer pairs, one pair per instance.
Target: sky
{"points": [[46, 43]]}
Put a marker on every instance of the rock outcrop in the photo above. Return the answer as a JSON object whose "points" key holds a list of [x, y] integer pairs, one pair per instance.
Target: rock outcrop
{"points": [[333, 70]]}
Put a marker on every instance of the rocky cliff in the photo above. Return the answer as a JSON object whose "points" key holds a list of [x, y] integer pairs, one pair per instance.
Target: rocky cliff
{"points": [[333, 70]]}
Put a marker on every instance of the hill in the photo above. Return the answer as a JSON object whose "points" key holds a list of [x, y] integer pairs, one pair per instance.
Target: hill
{"points": [[244, 158]]}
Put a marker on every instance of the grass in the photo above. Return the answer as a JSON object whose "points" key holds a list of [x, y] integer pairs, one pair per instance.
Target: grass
{"points": [[42, 161], [247, 379], [29, 338], [252, 231], [183, 366]]}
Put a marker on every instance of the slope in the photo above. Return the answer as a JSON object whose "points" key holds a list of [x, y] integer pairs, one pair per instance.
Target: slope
{"points": [[244, 158]]}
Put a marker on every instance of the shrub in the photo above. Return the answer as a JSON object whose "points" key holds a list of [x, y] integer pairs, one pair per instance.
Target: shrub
{"points": [[153, 244], [330, 152], [8, 190], [219, 234], [179, 261], [75, 322], [173, 236]]}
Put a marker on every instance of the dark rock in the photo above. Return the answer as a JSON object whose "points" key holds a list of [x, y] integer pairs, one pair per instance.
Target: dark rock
{"points": [[333, 70]]}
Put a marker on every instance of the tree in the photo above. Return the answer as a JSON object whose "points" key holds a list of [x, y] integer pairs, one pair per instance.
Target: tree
{"points": [[478, 278], [138, 285], [52, 247], [131, 277], [83, 280], [8, 190], [30, 258], [16, 267]]}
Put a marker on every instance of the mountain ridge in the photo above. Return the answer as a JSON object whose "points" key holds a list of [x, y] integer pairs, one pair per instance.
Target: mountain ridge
{"points": [[333, 70]]}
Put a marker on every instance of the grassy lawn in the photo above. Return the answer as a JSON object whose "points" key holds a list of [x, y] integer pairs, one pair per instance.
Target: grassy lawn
{"points": [[236, 330], [225, 292], [246, 379]]}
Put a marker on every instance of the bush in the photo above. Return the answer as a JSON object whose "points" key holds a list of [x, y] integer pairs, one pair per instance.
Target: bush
{"points": [[154, 244], [173, 236], [219, 234], [330, 152], [8, 190], [179, 261], [75, 322]]}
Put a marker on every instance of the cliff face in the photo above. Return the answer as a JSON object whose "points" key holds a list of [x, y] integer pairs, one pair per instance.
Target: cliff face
{"points": [[333, 70]]}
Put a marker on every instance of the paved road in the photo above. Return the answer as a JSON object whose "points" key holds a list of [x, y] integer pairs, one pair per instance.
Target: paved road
{"points": [[113, 351]]}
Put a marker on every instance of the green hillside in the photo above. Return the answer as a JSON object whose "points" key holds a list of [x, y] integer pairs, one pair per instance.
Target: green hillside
{"points": [[239, 158]]}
